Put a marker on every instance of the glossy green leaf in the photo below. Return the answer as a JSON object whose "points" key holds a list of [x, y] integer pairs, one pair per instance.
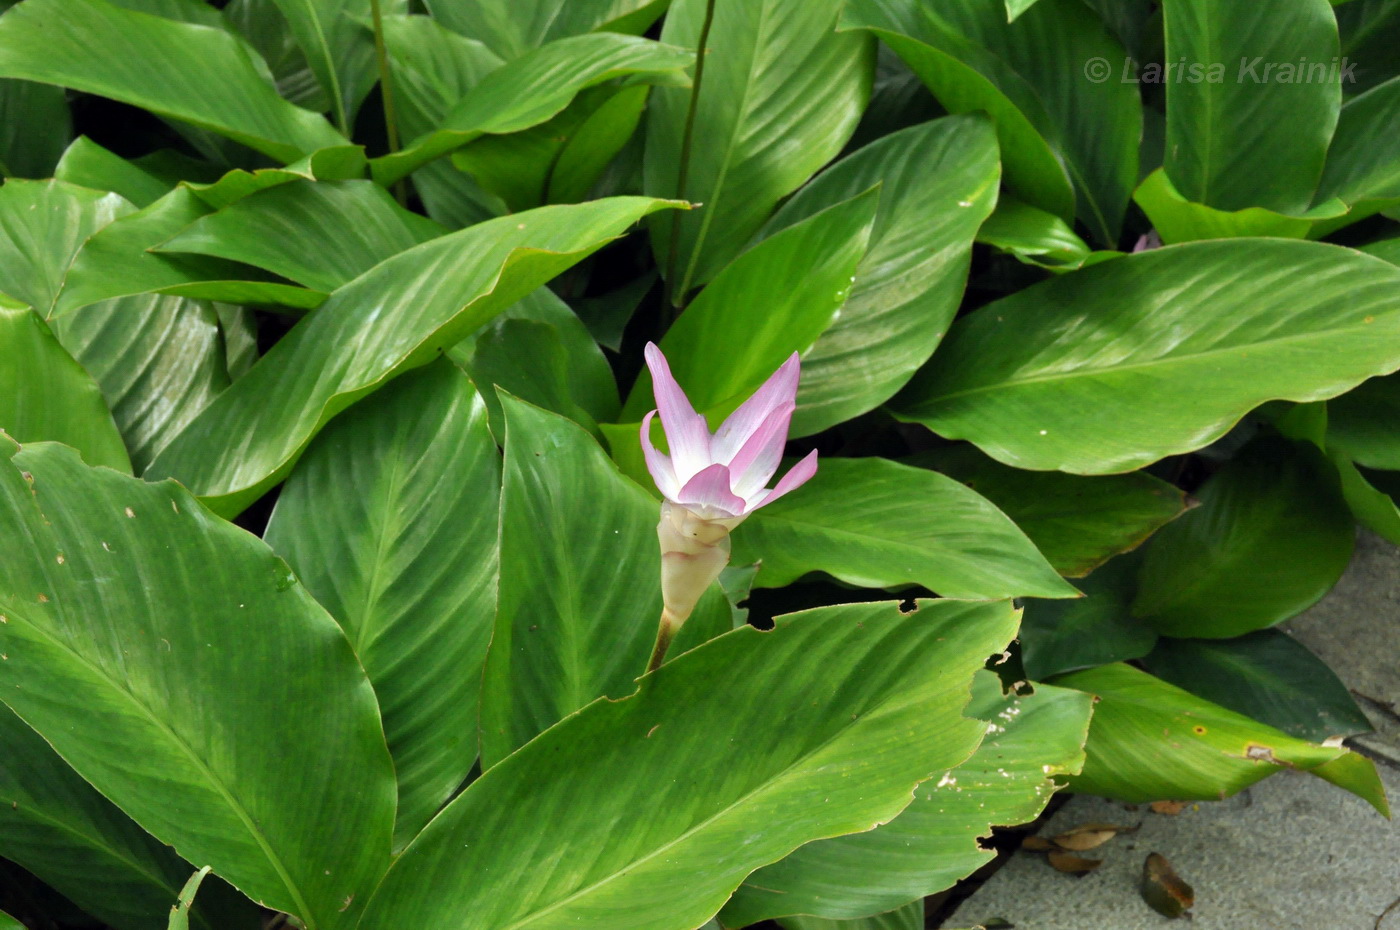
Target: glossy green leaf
{"points": [[35, 127], [510, 28], [390, 521], [1367, 29], [87, 164], [9, 923], [655, 807], [782, 92], [560, 643], [1032, 235], [180, 913], [158, 361], [59, 828], [262, 24], [1065, 636], [1372, 507], [1385, 249], [1177, 219], [158, 649], [1363, 168], [1118, 365], [1267, 675], [47, 396], [1271, 537], [1065, 137], [1151, 741], [938, 182], [320, 234], [339, 49], [799, 277], [395, 317], [1355, 773], [1252, 131], [1077, 522], [1362, 423], [878, 524], [933, 843], [146, 61], [534, 88], [908, 917], [586, 154], [43, 224]]}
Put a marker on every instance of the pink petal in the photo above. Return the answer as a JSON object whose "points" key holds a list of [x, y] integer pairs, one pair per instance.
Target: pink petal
{"points": [[709, 491], [687, 433], [659, 465], [797, 476], [755, 463], [780, 388]]}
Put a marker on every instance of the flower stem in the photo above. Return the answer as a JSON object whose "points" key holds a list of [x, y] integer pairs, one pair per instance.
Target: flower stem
{"points": [[665, 632], [386, 93], [687, 141]]}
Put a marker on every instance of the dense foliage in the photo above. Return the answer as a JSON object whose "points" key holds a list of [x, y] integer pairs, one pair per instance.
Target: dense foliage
{"points": [[1097, 305]]}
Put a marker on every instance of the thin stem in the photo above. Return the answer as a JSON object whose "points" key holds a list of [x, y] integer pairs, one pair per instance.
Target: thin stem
{"points": [[687, 141], [665, 632], [386, 93]]}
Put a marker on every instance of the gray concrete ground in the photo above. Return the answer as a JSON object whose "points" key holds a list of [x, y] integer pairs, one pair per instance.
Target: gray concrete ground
{"points": [[1291, 853]]}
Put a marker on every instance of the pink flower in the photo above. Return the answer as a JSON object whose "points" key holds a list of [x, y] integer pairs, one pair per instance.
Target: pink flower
{"points": [[725, 475]]}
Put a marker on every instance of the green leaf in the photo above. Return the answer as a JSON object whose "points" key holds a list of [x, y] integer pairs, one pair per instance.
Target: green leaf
{"points": [[35, 126], [800, 276], [1271, 537], [578, 609], [1177, 219], [320, 234], [59, 828], [1267, 675], [877, 524], [647, 831], [510, 28], [158, 650], [1065, 138], [390, 521], [1367, 28], [1077, 522], [1151, 741], [1372, 507], [1254, 131], [1355, 773], [1064, 636], [87, 164], [339, 49], [1362, 422], [146, 61], [395, 317], [938, 181], [262, 24], [43, 224], [908, 917], [1123, 363], [534, 88], [1032, 235], [594, 144], [1362, 167], [46, 395], [158, 360], [934, 842], [9, 923], [782, 92], [180, 913], [1386, 250]]}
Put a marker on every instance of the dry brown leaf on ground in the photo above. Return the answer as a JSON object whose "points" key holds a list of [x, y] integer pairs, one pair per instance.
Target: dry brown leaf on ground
{"points": [[1072, 864], [1163, 890]]}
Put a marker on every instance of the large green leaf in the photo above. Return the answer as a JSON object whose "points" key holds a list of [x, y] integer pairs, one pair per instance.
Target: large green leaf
{"points": [[147, 61], [775, 299], [1115, 366], [43, 224], [1151, 741], [1362, 423], [1057, 124], [1254, 130], [602, 136], [1372, 507], [875, 523], [1065, 636], [781, 94], [59, 828], [35, 127], [1271, 537], [933, 843], [336, 40], [938, 182], [510, 28], [390, 521], [1363, 168], [46, 395], [1267, 675], [534, 88], [395, 317], [1368, 28], [908, 917], [1177, 219], [647, 812], [9, 923], [158, 649], [261, 22], [579, 606], [320, 234], [87, 164], [1077, 522]]}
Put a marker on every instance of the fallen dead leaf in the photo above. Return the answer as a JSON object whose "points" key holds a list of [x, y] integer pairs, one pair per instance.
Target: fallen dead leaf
{"points": [[1037, 844], [1170, 808], [1163, 890], [1089, 836], [1072, 864]]}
